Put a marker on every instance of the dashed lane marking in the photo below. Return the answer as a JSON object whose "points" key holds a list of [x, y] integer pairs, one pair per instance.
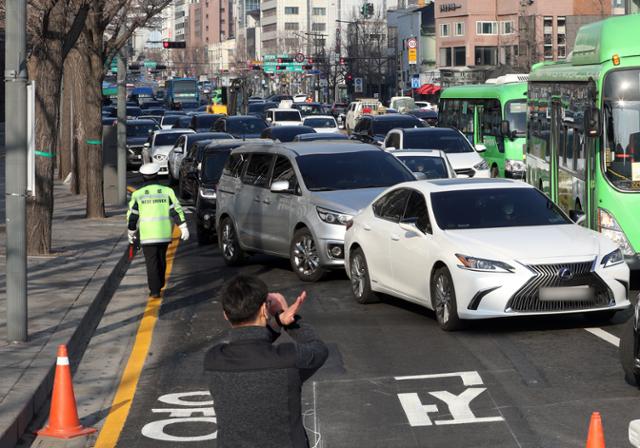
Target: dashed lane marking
{"points": [[605, 336], [126, 391]]}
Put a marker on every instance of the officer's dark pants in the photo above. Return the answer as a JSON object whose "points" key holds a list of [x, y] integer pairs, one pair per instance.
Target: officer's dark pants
{"points": [[156, 257]]}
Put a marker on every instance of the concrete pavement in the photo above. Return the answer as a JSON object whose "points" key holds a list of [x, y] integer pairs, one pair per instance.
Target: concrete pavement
{"points": [[68, 292]]}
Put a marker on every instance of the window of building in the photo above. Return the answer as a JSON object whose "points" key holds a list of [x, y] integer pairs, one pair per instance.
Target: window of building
{"points": [[269, 12], [291, 26], [548, 25], [486, 28], [459, 56], [507, 27], [318, 27], [319, 11], [445, 57], [459, 29], [291, 10], [561, 37], [271, 27], [445, 29], [486, 56], [548, 51]]}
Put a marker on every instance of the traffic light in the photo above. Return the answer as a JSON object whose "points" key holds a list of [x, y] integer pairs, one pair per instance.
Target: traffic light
{"points": [[343, 61], [310, 60], [168, 44], [134, 67], [307, 67], [348, 79], [284, 60], [161, 67], [281, 67], [256, 67]]}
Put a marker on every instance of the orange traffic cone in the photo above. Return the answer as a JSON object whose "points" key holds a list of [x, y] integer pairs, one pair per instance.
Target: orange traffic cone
{"points": [[596, 434], [63, 417]]}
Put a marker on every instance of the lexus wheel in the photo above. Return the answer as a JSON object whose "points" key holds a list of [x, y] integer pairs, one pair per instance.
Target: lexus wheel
{"points": [[232, 253], [360, 280], [305, 259], [443, 300]]}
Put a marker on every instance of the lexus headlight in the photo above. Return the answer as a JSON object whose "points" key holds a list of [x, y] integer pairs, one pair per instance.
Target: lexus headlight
{"points": [[610, 227], [612, 259], [159, 157], [208, 193], [514, 165], [331, 217], [481, 264], [481, 166]]}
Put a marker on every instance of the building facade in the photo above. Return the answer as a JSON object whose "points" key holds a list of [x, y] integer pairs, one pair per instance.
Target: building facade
{"points": [[485, 35]]}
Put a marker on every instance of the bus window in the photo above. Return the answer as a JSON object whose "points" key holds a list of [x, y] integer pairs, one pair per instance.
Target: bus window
{"points": [[491, 118], [516, 114], [466, 120]]}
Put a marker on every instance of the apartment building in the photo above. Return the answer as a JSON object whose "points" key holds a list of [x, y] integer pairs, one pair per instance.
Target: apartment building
{"points": [[484, 34], [208, 23]]}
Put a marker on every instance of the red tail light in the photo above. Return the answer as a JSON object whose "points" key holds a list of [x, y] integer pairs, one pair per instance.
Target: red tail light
{"points": [[366, 110]]}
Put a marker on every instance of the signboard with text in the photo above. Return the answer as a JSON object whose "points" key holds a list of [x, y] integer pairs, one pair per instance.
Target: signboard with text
{"points": [[412, 50]]}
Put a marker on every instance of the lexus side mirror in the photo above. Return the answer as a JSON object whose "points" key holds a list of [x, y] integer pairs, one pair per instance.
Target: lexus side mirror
{"points": [[280, 186], [577, 216], [480, 147], [146, 145]]}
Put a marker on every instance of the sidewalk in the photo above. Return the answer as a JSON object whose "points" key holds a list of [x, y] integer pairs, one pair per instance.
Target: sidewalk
{"points": [[68, 292]]}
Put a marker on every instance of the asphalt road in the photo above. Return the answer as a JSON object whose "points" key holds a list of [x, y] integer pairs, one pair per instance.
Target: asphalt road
{"points": [[393, 378]]}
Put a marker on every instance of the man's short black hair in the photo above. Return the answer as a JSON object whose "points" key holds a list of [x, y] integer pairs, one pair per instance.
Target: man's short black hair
{"points": [[242, 297]]}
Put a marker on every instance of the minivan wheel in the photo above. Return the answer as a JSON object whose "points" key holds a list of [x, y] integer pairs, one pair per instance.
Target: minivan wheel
{"points": [[360, 280], [305, 260], [443, 300], [232, 253]]}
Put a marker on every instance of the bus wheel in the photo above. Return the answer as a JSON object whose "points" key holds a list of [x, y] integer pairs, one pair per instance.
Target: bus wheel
{"points": [[494, 171]]}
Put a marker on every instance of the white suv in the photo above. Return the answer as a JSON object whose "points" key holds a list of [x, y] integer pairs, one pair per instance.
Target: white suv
{"points": [[284, 117]]}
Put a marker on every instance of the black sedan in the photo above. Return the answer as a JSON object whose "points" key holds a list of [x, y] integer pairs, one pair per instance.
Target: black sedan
{"points": [[286, 133], [374, 128], [241, 126], [430, 117], [203, 121]]}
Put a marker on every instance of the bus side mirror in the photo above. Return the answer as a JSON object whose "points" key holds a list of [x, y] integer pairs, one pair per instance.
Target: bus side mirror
{"points": [[505, 128], [592, 122]]}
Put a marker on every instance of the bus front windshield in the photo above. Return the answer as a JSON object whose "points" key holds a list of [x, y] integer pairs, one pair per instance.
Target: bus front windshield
{"points": [[516, 113], [622, 129]]}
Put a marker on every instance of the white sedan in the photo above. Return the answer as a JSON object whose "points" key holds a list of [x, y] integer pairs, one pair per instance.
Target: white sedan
{"points": [[322, 123], [482, 248]]}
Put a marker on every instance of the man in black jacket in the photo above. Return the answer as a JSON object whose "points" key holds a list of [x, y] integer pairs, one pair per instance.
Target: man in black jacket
{"points": [[255, 383]]}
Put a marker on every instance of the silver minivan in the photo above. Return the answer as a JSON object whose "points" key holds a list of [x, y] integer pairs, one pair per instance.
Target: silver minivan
{"points": [[294, 200]]}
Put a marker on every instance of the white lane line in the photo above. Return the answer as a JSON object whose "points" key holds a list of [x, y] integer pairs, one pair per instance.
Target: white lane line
{"points": [[605, 336]]}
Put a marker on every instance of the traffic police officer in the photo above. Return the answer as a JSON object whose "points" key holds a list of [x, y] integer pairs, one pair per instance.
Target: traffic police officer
{"points": [[151, 210]]}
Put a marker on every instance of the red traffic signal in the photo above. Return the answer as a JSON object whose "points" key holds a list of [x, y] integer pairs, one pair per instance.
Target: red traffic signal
{"points": [[281, 67], [174, 44], [349, 77], [307, 67], [310, 60], [342, 61]]}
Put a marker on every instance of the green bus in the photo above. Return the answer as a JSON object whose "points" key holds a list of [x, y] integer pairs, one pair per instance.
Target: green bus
{"points": [[494, 116], [583, 140]]}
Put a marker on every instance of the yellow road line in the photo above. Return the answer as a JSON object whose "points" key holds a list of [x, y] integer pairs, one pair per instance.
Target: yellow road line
{"points": [[121, 405]]}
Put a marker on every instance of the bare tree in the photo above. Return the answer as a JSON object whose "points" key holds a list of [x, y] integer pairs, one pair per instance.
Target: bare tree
{"points": [[109, 25]]}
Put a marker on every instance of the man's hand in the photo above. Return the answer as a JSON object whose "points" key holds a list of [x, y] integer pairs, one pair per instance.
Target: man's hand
{"points": [[276, 303], [131, 234], [184, 231]]}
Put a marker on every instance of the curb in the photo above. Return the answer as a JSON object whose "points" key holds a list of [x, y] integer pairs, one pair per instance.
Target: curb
{"points": [[88, 309]]}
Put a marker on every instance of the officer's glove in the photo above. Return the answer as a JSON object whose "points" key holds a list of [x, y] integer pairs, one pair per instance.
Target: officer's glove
{"points": [[184, 231], [132, 236]]}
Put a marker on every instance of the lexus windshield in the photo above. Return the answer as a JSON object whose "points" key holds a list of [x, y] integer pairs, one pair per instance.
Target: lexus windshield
{"points": [[351, 170], [166, 139], [622, 129], [446, 140], [495, 207]]}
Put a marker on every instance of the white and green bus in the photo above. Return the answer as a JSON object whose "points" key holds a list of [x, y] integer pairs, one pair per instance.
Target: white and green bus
{"points": [[583, 141], [493, 115]]}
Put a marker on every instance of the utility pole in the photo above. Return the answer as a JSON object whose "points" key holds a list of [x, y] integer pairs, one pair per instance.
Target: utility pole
{"points": [[16, 168], [122, 125]]}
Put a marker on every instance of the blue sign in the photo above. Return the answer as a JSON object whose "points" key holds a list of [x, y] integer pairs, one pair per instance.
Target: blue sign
{"points": [[415, 83]]}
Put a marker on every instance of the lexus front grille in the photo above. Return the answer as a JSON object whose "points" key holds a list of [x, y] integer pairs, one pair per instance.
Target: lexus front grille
{"points": [[527, 298]]}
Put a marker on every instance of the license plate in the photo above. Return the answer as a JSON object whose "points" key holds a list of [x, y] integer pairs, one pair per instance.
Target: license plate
{"points": [[566, 293]]}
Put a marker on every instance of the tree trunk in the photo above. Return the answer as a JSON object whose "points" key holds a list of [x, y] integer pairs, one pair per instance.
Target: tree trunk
{"points": [[45, 67], [77, 75], [91, 73]]}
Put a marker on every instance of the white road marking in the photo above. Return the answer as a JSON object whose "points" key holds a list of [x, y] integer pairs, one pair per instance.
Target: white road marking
{"points": [[471, 378], [605, 336]]}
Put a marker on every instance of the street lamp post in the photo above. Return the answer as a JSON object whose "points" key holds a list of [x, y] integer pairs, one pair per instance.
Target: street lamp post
{"points": [[16, 168]]}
